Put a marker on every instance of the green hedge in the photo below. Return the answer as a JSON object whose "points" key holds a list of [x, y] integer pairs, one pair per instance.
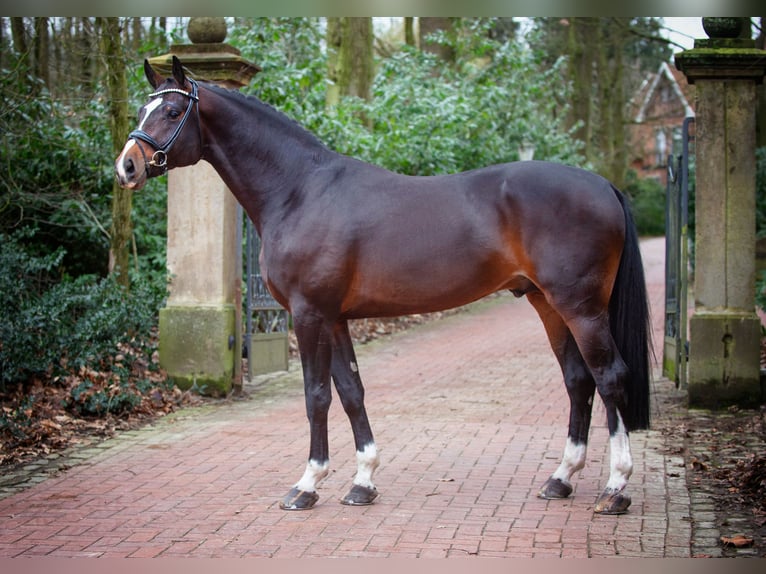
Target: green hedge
{"points": [[54, 324]]}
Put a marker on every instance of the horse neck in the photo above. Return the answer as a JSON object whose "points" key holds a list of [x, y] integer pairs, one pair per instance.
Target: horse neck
{"points": [[261, 154]]}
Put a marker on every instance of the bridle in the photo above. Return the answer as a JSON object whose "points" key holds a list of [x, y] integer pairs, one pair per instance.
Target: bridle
{"points": [[160, 156]]}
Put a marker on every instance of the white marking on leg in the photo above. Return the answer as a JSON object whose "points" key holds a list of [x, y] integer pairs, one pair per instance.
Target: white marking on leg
{"points": [[620, 460], [314, 473], [366, 463], [572, 461]]}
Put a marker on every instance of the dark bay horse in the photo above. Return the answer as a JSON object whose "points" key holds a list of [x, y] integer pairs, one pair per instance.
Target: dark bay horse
{"points": [[343, 239]]}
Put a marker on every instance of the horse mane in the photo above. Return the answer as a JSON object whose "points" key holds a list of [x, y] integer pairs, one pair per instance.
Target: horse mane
{"points": [[270, 112]]}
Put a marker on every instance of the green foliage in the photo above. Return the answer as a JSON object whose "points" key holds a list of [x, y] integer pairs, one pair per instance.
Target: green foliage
{"points": [[424, 118], [16, 420], [430, 119], [760, 192], [50, 175], [120, 393], [760, 220], [292, 60], [760, 291], [53, 325], [57, 178], [648, 202], [115, 399]]}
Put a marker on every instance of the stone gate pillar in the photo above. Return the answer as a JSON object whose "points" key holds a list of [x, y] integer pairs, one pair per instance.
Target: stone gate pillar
{"points": [[200, 328], [724, 332]]}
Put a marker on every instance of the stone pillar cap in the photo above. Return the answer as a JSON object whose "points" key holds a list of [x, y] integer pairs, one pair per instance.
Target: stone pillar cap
{"points": [[710, 63], [217, 63]]}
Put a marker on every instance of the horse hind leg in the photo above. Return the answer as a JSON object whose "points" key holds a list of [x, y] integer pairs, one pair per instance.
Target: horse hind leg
{"points": [[345, 374], [610, 374], [581, 389]]}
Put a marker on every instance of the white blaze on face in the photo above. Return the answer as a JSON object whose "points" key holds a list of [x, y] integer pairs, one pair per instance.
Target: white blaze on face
{"points": [[572, 461], [367, 461], [620, 461], [314, 473], [150, 107], [120, 163]]}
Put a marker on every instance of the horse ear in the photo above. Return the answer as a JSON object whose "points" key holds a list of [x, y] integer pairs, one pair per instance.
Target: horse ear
{"points": [[178, 71], [154, 78]]}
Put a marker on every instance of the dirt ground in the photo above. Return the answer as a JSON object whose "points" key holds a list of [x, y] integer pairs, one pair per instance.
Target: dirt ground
{"points": [[725, 454]]}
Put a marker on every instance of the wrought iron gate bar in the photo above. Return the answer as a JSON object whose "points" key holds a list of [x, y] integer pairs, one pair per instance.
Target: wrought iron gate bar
{"points": [[675, 347], [263, 314]]}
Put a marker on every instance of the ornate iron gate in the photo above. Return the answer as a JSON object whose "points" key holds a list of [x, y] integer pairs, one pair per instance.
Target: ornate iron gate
{"points": [[675, 349], [266, 321]]}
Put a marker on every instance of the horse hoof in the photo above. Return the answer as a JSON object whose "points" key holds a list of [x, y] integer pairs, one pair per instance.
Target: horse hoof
{"points": [[360, 496], [612, 503], [299, 500], [555, 488]]}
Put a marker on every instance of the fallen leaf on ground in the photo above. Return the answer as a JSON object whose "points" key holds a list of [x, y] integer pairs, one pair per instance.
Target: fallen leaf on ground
{"points": [[737, 541]]}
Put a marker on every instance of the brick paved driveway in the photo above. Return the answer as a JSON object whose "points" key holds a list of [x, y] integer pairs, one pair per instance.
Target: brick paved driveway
{"points": [[470, 417]]}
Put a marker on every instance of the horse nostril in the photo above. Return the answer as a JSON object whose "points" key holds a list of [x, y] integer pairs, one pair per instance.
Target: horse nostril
{"points": [[130, 169]]}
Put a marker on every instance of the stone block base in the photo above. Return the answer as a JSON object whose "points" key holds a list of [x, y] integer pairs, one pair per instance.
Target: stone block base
{"points": [[724, 360], [195, 347]]}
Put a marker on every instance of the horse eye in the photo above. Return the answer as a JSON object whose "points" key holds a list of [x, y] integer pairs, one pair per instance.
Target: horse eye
{"points": [[173, 114]]}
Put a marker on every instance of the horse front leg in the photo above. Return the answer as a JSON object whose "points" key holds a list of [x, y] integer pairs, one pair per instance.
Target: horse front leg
{"points": [[315, 344], [345, 373]]}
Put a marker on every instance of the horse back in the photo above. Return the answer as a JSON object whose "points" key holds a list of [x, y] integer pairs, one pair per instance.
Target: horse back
{"points": [[373, 243]]}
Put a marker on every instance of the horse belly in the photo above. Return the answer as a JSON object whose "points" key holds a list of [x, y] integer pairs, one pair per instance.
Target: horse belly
{"points": [[433, 280]]}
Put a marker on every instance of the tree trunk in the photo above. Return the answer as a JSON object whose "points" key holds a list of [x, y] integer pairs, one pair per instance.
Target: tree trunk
{"points": [[619, 157], [581, 54], [430, 25], [409, 31], [117, 95], [332, 97], [19, 34], [136, 35], [85, 31], [611, 156], [355, 60], [352, 66], [42, 44]]}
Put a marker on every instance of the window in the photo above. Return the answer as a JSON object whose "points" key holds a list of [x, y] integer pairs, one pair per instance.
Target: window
{"points": [[660, 147]]}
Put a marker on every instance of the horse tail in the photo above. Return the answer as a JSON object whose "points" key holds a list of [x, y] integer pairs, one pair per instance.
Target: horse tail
{"points": [[630, 324]]}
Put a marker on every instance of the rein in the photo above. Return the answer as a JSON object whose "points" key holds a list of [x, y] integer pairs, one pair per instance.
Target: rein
{"points": [[160, 156]]}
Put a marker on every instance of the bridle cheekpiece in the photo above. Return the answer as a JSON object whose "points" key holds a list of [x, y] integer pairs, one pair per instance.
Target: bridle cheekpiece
{"points": [[160, 156]]}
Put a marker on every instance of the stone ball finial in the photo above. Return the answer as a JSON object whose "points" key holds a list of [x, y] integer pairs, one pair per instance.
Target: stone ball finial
{"points": [[207, 30], [717, 27]]}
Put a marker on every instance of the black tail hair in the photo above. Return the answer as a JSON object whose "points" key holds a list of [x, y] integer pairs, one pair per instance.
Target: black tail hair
{"points": [[631, 325]]}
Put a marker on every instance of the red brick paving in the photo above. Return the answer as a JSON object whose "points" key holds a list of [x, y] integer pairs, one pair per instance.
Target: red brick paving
{"points": [[470, 417]]}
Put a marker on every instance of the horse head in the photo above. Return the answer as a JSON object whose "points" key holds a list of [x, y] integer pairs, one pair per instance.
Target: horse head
{"points": [[163, 118]]}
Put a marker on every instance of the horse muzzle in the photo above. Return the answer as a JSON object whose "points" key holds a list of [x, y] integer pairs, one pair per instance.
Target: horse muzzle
{"points": [[130, 167]]}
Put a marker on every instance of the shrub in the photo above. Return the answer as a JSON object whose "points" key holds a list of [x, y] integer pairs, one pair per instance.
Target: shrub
{"points": [[760, 220], [53, 324], [648, 202], [424, 117], [427, 118]]}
